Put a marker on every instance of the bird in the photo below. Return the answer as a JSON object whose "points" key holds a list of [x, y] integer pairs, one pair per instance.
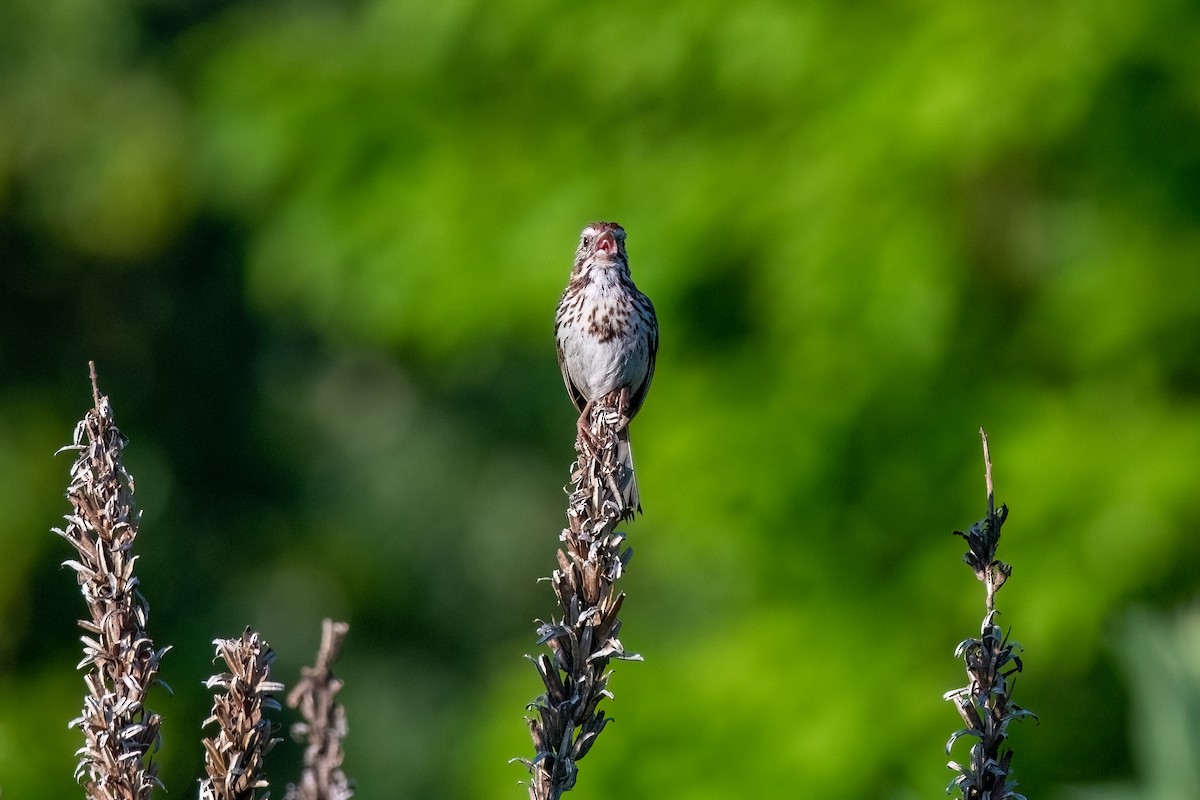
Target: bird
{"points": [[606, 334]]}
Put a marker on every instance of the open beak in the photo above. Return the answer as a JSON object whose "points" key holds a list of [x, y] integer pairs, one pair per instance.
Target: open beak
{"points": [[606, 243]]}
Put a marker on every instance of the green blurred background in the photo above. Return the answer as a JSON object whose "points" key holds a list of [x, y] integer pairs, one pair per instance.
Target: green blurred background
{"points": [[315, 249]]}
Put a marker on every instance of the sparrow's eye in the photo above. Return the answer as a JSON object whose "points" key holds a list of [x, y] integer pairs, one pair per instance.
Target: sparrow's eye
{"points": [[587, 241]]}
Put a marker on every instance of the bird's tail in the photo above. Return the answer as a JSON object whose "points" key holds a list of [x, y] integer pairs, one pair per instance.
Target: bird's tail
{"points": [[629, 490]]}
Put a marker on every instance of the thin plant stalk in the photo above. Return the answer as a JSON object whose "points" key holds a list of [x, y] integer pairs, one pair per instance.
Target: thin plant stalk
{"points": [[583, 639], [324, 725], [235, 756], [992, 662], [122, 664]]}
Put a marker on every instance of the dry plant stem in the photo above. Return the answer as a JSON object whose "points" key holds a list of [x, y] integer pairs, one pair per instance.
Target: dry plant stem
{"points": [[584, 639], [122, 663], [985, 703], [234, 757], [324, 724], [994, 578]]}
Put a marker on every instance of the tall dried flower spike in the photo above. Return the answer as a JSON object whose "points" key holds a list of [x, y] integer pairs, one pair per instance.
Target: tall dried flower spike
{"points": [[582, 641], [234, 758], [985, 703], [121, 662], [324, 725]]}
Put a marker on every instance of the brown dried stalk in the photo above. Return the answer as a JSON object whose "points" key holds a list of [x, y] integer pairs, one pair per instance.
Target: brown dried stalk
{"points": [[985, 703], [584, 639], [234, 758], [119, 731], [324, 724]]}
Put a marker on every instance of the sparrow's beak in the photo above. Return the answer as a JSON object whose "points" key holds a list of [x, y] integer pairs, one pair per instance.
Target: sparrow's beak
{"points": [[606, 243]]}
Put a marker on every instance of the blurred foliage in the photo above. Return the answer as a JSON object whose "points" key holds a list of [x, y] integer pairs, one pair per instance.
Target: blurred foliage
{"points": [[315, 249], [1162, 659]]}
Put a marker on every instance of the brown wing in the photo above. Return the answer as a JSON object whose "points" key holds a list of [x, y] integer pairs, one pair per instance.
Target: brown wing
{"points": [[576, 396], [637, 394]]}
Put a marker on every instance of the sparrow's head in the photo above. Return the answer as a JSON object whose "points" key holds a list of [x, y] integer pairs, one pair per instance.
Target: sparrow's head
{"points": [[602, 243]]}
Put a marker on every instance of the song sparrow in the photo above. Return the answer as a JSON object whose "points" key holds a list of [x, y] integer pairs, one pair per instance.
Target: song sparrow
{"points": [[607, 336]]}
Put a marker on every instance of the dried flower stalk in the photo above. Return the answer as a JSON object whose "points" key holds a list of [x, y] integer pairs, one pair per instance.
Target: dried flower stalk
{"points": [[985, 703], [122, 663], [234, 758], [584, 639], [324, 724]]}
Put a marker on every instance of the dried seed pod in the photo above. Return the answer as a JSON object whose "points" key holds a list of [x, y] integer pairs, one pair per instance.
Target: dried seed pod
{"points": [[593, 557]]}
